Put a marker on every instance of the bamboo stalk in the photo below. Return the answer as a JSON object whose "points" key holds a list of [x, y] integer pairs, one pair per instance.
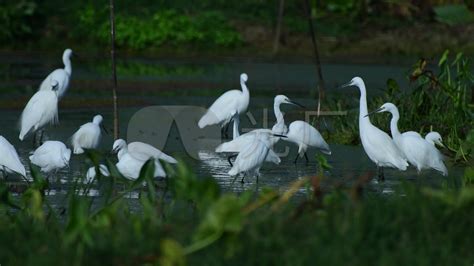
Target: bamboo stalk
{"points": [[319, 72], [276, 44], [114, 70]]}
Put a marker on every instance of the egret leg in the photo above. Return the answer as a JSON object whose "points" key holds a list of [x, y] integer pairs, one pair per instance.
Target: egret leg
{"points": [[41, 137], [242, 180], [34, 139], [231, 157], [5, 175], [226, 130], [306, 157], [296, 159], [381, 174]]}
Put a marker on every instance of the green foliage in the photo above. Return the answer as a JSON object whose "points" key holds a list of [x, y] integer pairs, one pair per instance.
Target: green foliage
{"points": [[195, 223], [16, 19], [165, 27], [453, 14]]}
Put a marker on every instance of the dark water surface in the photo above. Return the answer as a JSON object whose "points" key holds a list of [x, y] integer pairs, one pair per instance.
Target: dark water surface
{"points": [[20, 77]]}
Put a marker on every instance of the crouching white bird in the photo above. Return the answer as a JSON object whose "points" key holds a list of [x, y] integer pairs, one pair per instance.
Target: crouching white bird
{"points": [[51, 155], [41, 109], [228, 106], [130, 163], [142, 151], [304, 135], [377, 144], [250, 158], [61, 75], [419, 152], [91, 173], [9, 159], [87, 136]]}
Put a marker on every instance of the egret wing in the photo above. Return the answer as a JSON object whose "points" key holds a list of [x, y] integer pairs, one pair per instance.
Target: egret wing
{"points": [[9, 157], [222, 109]]}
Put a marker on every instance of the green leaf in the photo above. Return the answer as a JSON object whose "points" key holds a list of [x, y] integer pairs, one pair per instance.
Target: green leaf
{"points": [[224, 216], [172, 253], [453, 14], [444, 58], [392, 87]]}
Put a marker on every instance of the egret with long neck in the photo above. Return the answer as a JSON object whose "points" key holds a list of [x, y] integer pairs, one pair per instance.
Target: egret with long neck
{"points": [[377, 144]]}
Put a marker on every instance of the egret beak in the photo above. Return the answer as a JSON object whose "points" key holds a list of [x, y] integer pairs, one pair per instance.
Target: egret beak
{"points": [[114, 150], [281, 136], [295, 103], [374, 111], [440, 144], [104, 129], [348, 84]]}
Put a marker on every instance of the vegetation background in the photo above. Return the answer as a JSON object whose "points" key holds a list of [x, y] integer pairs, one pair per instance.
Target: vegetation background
{"points": [[246, 27]]}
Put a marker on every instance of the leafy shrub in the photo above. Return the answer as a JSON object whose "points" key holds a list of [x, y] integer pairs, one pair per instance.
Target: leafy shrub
{"points": [[166, 27], [15, 19]]}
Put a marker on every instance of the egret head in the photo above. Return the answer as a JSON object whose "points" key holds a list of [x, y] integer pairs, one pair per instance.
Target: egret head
{"points": [[435, 138], [386, 107], [118, 145], [97, 119], [244, 77], [67, 53], [279, 99], [356, 81]]}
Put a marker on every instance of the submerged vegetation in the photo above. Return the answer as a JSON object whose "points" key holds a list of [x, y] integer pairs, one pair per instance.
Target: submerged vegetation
{"points": [[186, 220], [440, 99]]}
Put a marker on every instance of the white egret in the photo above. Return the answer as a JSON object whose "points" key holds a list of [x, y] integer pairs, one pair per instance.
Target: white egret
{"points": [[304, 135], [9, 159], [418, 151], [41, 109], [377, 144], [51, 155], [434, 157], [61, 75], [142, 151], [251, 157], [87, 136], [91, 173], [244, 140], [228, 106], [129, 165]]}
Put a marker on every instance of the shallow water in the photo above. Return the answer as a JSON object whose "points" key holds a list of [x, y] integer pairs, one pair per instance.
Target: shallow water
{"points": [[348, 162]]}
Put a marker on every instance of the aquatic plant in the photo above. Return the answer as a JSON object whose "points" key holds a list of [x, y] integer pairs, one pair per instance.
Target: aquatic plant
{"points": [[188, 220]]}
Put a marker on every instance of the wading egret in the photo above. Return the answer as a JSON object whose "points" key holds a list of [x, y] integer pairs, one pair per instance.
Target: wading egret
{"points": [[129, 165], [377, 144], [418, 151], [41, 109], [244, 140], [91, 173], [142, 151], [9, 159], [51, 155], [228, 106], [87, 136], [60, 75], [304, 135], [250, 158]]}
